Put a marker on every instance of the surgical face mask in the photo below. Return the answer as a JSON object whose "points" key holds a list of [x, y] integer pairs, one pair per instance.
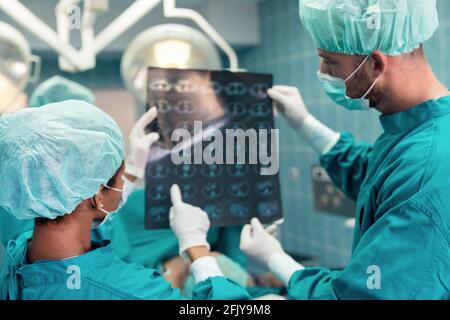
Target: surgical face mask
{"points": [[336, 89], [128, 188]]}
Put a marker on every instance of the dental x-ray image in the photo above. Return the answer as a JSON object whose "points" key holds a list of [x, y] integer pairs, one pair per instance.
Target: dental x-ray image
{"points": [[210, 105]]}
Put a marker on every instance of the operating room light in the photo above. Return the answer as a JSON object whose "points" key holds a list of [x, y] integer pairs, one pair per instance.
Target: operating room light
{"points": [[18, 69], [15, 64], [172, 54], [166, 46]]}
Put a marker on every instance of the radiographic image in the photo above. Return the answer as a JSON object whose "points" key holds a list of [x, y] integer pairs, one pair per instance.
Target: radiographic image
{"points": [[230, 193]]}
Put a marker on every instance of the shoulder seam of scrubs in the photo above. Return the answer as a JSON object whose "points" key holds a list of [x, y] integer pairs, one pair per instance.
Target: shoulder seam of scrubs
{"points": [[420, 208], [426, 273], [425, 173], [429, 162], [115, 291]]}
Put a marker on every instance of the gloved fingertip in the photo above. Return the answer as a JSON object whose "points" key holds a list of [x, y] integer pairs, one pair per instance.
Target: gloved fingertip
{"points": [[246, 228], [156, 136], [275, 109], [153, 110], [275, 95], [256, 224], [245, 236], [271, 229], [149, 116], [151, 138], [245, 231], [175, 195]]}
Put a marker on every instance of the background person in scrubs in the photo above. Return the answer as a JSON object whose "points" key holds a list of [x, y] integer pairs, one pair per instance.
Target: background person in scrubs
{"points": [[55, 89], [68, 172], [372, 57]]}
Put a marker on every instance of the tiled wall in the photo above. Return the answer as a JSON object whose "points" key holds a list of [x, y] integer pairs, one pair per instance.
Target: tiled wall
{"points": [[288, 52]]}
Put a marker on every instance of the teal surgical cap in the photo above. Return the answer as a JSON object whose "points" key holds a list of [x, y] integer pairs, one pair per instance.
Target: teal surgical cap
{"points": [[54, 157], [57, 89], [359, 27]]}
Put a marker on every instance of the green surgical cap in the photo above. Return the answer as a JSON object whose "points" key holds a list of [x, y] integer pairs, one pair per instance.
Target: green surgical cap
{"points": [[57, 89], [54, 157], [359, 27]]}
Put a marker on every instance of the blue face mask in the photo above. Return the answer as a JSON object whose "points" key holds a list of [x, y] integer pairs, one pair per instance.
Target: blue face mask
{"points": [[336, 89]]}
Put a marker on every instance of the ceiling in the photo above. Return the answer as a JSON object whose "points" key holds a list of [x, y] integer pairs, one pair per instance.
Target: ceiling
{"points": [[236, 20]]}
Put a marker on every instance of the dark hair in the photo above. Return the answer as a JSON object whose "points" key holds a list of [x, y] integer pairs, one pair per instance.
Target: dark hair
{"points": [[41, 221], [113, 180]]}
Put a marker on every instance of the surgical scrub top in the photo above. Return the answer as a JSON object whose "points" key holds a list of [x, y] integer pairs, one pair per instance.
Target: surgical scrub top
{"points": [[401, 185], [11, 228], [102, 275]]}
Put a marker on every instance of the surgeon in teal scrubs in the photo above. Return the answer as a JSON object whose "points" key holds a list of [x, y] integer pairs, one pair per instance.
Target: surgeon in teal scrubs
{"points": [[130, 241], [372, 57], [54, 89], [68, 173]]}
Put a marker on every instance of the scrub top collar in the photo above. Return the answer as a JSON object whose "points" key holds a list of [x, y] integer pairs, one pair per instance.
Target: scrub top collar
{"points": [[412, 118], [43, 271]]}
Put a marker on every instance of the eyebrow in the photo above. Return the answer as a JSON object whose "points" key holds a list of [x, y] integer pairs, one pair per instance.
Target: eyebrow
{"points": [[324, 56]]}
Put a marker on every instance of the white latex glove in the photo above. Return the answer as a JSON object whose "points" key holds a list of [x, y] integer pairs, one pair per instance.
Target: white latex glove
{"points": [[289, 102], [258, 243], [190, 224], [140, 143]]}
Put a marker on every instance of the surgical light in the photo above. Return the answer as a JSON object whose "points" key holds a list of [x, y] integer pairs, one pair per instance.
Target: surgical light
{"points": [[173, 53], [15, 66], [166, 46]]}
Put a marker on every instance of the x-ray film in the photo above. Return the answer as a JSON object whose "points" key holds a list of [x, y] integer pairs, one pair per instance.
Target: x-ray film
{"points": [[213, 107]]}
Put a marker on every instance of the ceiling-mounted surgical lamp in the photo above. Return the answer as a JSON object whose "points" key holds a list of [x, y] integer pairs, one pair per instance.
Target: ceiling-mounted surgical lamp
{"points": [[166, 46], [82, 59], [16, 67]]}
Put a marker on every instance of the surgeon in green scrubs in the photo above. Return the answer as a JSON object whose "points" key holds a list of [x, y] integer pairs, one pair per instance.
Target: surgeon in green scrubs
{"points": [[68, 173], [372, 58], [54, 89]]}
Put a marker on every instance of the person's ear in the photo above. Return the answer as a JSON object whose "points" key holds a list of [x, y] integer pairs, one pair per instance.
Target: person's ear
{"points": [[378, 64], [98, 198]]}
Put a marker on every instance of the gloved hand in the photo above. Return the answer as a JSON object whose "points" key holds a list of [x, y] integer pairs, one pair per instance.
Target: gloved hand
{"points": [[258, 243], [261, 246], [190, 224], [289, 102], [140, 144]]}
